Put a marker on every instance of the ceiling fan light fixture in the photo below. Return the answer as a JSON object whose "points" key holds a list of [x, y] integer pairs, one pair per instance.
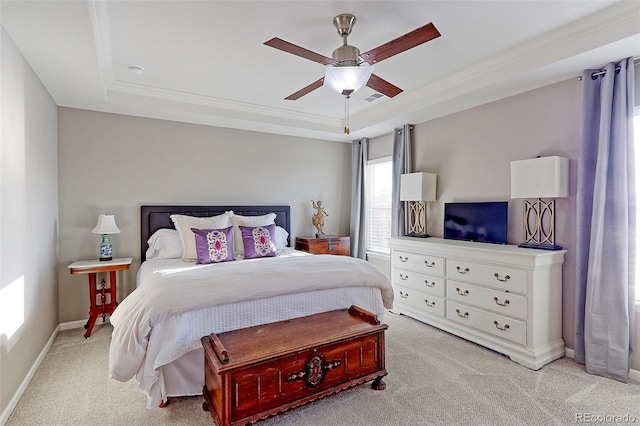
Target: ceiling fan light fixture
{"points": [[347, 79]]}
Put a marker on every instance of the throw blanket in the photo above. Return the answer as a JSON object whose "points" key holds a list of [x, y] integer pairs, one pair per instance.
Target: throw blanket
{"points": [[171, 293]]}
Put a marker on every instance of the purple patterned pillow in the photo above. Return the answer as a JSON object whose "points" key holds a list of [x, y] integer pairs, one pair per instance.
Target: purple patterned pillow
{"points": [[259, 241], [213, 245]]}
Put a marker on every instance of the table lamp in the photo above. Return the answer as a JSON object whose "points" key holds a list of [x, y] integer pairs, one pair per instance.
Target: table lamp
{"points": [[541, 177], [106, 226], [418, 188]]}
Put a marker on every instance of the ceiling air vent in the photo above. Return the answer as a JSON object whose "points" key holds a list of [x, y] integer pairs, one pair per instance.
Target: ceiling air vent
{"points": [[373, 97]]}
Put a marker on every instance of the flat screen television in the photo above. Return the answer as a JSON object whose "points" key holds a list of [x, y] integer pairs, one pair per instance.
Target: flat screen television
{"points": [[480, 221]]}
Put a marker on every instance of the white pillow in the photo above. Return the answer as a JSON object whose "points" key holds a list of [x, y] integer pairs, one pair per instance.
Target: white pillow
{"points": [[281, 238], [164, 244], [237, 220], [184, 224]]}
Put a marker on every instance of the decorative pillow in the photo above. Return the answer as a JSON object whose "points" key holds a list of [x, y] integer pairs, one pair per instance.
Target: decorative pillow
{"points": [[238, 221], [259, 241], [213, 245], [281, 238], [164, 244], [185, 223]]}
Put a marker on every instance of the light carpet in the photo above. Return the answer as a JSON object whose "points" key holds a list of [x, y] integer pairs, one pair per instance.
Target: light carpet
{"points": [[434, 379]]}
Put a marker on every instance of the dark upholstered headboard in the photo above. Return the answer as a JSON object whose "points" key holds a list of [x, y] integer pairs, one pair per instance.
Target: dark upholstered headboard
{"points": [[153, 218]]}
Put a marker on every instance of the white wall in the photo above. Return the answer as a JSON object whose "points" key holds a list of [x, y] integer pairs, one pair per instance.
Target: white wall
{"points": [[28, 219], [113, 163]]}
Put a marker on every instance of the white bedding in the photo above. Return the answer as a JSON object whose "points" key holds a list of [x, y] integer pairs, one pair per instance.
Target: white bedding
{"points": [[173, 306]]}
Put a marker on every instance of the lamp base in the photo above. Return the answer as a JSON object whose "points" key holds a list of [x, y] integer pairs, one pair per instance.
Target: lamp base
{"points": [[540, 246], [417, 235], [106, 248]]}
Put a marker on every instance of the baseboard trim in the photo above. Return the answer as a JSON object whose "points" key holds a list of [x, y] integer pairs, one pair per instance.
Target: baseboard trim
{"points": [[4, 416], [79, 324], [72, 324], [633, 374]]}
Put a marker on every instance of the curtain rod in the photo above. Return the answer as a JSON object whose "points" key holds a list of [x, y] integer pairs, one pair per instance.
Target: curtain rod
{"points": [[636, 60]]}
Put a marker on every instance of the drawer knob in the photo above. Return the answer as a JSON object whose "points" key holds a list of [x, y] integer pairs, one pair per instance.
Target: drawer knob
{"points": [[429, 264], [429, 284], [403, 259], [404, 295], [430, 304], [404, 277], [465, 315], [505, 303], [462, 271], [462, 293], [505, 328], [505, 279]]}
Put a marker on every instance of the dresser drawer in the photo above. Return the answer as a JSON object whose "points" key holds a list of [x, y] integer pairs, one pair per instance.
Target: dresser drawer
{"points": [[418, 281], [418, 262], [427, 303], [501, 277], [498, 325], [497, 301]]}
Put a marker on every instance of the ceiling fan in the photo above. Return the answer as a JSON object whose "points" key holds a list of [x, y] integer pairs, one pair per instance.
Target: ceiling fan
{"points": [[348, 58]]}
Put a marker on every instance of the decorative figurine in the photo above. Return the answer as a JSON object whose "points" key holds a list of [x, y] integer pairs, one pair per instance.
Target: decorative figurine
{"points": [[318, 218]]}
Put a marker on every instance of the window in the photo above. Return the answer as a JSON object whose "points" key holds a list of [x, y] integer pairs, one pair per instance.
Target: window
{"points": [[378, 204]]}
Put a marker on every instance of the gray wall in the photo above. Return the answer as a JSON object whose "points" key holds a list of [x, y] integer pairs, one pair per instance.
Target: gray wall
{"points": [[471, 152], [113, 163], [28, 220]]}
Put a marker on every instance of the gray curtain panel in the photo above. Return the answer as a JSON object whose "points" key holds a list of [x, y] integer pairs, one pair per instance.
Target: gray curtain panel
{"points": [[359, 155], [605, 249], [401, 164]]}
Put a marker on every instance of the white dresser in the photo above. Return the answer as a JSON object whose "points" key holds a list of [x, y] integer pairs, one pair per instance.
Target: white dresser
{"points": [[503, 297]]}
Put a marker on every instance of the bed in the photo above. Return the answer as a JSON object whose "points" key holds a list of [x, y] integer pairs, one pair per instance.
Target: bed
{"points": [[157, 328]]}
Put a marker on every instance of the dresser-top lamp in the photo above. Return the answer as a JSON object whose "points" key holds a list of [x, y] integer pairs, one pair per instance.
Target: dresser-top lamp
{"points": [[106, 226], [541, 177], [418, 188]]}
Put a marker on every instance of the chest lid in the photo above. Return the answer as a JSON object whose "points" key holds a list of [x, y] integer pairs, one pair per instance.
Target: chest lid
{"points": [[246, 346]]}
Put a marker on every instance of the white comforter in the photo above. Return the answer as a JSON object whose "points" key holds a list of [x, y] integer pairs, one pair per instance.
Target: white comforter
{"points": [[171, 292]]}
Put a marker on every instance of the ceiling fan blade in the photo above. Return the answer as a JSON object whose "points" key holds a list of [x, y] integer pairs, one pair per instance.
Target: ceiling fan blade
{"points": [[285, 46], [383, 86], [400, 44], [310, 88]]}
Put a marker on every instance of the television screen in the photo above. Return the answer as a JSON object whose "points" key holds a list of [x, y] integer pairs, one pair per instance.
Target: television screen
{"points": [[485, 221]]}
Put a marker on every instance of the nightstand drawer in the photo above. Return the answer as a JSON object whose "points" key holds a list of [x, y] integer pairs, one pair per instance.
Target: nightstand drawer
{"points": [[324, 245], [418, 281], [418, 262]]}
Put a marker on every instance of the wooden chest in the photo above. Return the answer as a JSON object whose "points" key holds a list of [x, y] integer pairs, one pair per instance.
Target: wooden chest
{"points": [[256, 372], [324, 245]]}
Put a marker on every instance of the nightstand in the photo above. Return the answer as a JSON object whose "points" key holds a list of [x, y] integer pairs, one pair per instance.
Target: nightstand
{"points": [[329, 244], [103, 298]]}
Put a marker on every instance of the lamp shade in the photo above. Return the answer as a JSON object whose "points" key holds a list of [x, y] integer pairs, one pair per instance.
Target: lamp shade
{"points": [[418, 187], [542, 177], [350, 79], [106, 225]]}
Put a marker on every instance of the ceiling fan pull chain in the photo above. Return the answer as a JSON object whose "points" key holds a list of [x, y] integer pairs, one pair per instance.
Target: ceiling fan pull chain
{"points": [[346, 114]]}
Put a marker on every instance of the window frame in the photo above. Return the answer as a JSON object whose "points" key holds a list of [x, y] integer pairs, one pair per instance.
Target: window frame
{"points": [[368, 191]]}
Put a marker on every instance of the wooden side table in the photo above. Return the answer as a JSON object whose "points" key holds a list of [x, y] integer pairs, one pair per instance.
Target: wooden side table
{"points": [[100, 304], [330, 244]]}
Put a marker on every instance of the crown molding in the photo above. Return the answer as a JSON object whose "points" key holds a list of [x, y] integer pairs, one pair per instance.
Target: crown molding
{"points": [[607, 26]]}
